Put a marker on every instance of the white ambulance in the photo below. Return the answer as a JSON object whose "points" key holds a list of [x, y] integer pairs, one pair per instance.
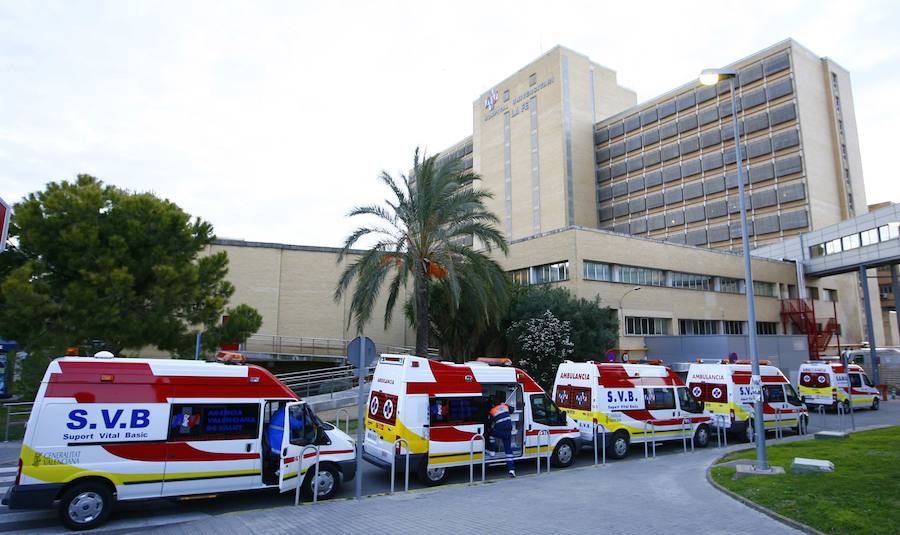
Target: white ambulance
{"points": [[635, 403], [725, 390], [438, 408], [825, 382], [113, 429]]}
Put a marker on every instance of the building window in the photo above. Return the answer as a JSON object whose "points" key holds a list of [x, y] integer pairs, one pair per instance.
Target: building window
{"points": [[885, 291], [550, 273], [830, 295], [532, 78], [642, 276], [766, 328], [764, 289], [597, 271], [734, 327], [506, 95], [691, 281], [520, 276], [869, 237], [817, 250], [731, 286], [812, 292], [646, 326], [832, 247], [556, 272], [889, 232], [850, 242], [702, 327]]}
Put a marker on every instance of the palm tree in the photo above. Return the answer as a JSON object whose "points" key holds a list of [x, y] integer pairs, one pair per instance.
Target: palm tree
{"points": [[421, 233]]}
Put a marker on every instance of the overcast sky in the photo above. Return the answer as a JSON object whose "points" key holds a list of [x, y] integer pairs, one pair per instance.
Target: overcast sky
{"points": [[271, 119]]}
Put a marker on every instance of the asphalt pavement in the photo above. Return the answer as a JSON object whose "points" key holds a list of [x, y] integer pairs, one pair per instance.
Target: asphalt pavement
{"points": [[618, 497]]}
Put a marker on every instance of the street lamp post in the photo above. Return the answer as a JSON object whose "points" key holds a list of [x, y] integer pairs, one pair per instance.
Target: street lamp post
{"points": [[621, 312], [712, 77]]}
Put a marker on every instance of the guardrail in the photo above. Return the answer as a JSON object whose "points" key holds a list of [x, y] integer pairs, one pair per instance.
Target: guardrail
{"points": [[315, 476], [475, 437], [686, 424], [652, 427], [337, 420], [721, 430], [542, 432], [15, 410], [398, 445], [327, 347]]}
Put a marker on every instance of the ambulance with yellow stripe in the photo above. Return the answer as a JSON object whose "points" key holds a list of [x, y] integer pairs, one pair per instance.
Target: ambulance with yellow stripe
{"points": [[114, 429], [725, 389], [827, 383], [635, 403], [439, 408]]}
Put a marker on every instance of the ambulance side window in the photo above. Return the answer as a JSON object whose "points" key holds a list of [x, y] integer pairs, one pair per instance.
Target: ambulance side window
{"points": [[659, 398], [446, 411], [792, 396], [867, 381], [855, 380], [687, 401], [213, 421], [544, 411], [773, 393]]}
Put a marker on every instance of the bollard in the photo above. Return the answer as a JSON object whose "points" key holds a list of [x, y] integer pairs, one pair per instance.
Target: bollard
{"points": [[821, 410], [476, 436], [399, 444], [315, 476], [840, 411], [543, 432]]}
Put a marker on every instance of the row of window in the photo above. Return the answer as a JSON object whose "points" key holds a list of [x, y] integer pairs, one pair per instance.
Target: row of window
{"points": [[648, 326], [687, 102], [558, 271], [644, 276], [891, 231]]}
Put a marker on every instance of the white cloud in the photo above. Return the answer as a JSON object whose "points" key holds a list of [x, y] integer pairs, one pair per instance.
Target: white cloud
{"points": [[273, 119]]}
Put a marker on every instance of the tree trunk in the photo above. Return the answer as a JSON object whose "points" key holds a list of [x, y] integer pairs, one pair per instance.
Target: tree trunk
{"points": [[421, 289]]}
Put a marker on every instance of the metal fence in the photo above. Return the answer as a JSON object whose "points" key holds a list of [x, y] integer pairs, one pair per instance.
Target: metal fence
{"points": [[15, 414], [321, 381], [301, 345]]}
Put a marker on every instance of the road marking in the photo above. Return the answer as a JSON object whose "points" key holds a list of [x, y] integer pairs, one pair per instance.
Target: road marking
{"points": [[7, 479], [9, 470]]}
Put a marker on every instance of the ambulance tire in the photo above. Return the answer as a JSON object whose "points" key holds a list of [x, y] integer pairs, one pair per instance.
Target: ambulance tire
{"points": [[433, 477], [618, 444], [875, 403], [85, 505], [563, 454], [329, 477], [701, 436]]}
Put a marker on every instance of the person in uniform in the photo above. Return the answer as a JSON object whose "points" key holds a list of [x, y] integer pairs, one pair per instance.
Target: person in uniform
{"points": [[501, 428]]}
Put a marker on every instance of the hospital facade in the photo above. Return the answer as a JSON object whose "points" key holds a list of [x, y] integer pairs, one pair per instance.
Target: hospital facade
{"points": [[602, 195]]}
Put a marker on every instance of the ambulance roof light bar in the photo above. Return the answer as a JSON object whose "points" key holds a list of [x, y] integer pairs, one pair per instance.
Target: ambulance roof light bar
{"points": [[494, 361], [762, 362]]}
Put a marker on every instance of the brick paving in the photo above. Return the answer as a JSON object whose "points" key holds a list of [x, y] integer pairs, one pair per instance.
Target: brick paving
{"points": [[668, 494]]}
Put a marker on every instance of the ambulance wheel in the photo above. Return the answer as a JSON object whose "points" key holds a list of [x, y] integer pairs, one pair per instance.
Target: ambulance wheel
{"points": [[85, 505], [875, 403], [619, 444], [328, 481], [431, 477], [563, 454], [701, 436]]}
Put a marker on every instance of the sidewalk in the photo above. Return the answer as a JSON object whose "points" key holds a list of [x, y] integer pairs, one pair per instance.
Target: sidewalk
{"points": [[669, 494]]}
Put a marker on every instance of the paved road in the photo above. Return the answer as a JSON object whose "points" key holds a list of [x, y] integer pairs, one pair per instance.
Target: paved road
{"points": [[615, 484]]}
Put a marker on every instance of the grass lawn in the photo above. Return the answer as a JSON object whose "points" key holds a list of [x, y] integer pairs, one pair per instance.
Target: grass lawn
{"points": [[862, 495]]}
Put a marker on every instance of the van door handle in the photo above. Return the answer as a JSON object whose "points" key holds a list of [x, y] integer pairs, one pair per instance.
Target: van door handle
{"points": [[284, 452], [249, 446]]}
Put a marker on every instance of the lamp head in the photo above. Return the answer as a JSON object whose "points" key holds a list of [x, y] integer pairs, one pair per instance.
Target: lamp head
{"points": [[714, 76]]}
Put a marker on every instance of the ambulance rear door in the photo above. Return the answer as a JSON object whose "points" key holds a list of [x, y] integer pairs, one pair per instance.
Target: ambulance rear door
{"points": [[299, 432]]}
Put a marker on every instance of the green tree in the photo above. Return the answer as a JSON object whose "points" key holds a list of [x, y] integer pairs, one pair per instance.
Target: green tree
{"points": [[95, 262], [243, 321], [420, 234], [472, 327], [540, 344], [594, 329]]}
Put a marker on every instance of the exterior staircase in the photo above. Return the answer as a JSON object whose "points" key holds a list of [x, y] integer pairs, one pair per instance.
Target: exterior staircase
{"points": [[802, 315]]}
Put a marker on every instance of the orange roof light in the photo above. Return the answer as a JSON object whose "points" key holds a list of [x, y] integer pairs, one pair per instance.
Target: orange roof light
{"points": [[495, 361], [71, 351], [762, 362], [228, 357]]}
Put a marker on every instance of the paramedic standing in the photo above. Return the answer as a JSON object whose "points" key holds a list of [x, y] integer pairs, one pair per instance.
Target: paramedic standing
{"points": [[501, 428]]}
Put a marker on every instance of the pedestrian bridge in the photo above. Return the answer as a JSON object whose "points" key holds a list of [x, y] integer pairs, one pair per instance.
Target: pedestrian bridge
{"points": [[868, 241]]}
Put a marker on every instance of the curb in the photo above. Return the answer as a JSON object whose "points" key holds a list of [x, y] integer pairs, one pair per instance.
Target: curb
{"points": [[765, 510]]}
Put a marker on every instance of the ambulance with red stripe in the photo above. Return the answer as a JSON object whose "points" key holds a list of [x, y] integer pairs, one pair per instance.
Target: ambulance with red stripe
{"points": [[635, 403], [828, 383], [726, 392], [113, 429], [438, 407]]}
